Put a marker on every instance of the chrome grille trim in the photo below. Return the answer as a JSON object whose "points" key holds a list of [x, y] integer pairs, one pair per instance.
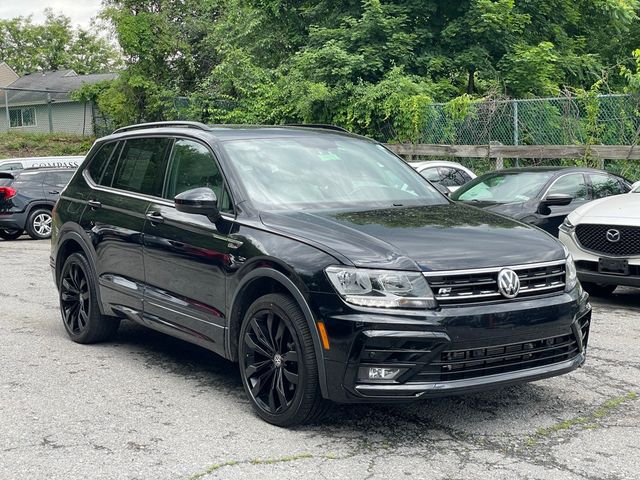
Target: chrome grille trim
{"points": [[478, 285]]}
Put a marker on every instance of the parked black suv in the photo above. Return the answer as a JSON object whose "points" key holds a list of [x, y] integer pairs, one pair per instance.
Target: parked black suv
{"points": [[319, 261], [26, 199]]}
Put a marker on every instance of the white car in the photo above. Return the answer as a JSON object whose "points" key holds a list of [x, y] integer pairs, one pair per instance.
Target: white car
{"points": [[448, 174], [10, 164], [603, 237]]}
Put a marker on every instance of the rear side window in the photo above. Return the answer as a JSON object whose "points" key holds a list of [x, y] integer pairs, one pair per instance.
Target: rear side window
{"points": [[140, 168], [58, 179], [451, 177], [7, 167], [29, 178], [100, 162], [605, 185]]}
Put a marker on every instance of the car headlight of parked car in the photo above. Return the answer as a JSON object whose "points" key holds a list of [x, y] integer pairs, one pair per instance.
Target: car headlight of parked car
{"points": [[381, 288], [571, 274], [567, 226]]}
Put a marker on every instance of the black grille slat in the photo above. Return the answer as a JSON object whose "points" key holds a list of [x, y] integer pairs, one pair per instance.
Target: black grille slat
{"points": [[594, 237], [477, 362]]}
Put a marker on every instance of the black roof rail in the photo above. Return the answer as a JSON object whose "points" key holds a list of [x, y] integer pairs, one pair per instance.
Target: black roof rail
{"points": [[171, 123], [318, 125]]}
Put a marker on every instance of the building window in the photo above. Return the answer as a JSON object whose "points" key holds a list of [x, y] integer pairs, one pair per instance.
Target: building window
{"points": [[22, 117]]}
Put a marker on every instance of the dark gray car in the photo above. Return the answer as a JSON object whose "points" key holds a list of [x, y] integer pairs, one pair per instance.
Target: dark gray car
{"points": [[27, 198]]}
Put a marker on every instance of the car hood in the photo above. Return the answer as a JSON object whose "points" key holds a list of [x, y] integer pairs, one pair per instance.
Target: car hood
{"points": [[439, 237], [616, 210]]}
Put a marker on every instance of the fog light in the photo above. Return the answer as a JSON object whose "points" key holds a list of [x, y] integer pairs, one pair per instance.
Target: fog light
{"points": [[380, 373]]}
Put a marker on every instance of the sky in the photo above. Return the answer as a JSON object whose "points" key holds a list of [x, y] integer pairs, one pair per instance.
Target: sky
{"points": [[80, 11]]}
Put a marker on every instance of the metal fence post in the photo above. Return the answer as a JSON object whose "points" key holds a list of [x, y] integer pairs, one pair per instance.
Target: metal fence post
{"points": [[50, 113], [515, 122], [6, 109]]}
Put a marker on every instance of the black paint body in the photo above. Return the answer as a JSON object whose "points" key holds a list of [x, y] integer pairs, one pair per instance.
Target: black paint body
{"points": [[192, 278]]}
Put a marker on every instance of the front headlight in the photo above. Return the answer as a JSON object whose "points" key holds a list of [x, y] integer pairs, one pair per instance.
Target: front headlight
{"points": [[571, 274], [567, 226], [381, 288]]}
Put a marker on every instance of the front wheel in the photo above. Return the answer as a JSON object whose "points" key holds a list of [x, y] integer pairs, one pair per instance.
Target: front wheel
{"points": [[278, 364], [79, 303], [11, 234], [598, 289]]}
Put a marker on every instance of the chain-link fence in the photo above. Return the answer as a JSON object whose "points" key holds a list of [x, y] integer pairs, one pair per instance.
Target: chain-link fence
{"points": [[46, 111], [567, 120]]}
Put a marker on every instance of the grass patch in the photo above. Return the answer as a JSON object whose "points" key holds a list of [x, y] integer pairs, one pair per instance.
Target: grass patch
{"points": [[588, 422], [257, 461], [18, 144]]}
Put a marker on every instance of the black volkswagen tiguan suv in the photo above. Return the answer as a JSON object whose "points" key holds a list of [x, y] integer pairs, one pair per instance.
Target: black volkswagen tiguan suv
{"points": [[319, 261]]}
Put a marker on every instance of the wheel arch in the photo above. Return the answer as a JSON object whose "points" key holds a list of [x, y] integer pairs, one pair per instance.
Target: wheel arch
{"points": [[72, 242], [259, 282]]}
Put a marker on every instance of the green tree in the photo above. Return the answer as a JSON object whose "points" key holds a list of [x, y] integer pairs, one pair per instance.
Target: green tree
{"points": [[53, 45]]}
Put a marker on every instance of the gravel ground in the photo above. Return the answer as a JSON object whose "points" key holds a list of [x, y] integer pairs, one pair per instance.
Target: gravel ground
{"points": [[147, 406]]}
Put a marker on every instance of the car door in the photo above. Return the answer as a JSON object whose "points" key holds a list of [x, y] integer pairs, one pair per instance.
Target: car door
{"points": [[186, 256], [123, 178], [573, 184]]}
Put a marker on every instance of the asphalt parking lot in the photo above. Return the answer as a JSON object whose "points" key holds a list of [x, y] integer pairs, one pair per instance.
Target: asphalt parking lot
{"points": [[147, 406]]}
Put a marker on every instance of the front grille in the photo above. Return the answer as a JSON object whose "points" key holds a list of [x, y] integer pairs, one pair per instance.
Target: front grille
{"points": [[479, 362], [481, 285], [594, 238]]}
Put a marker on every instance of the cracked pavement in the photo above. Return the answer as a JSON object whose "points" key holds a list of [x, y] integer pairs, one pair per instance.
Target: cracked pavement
{"points": [[147, 406]]}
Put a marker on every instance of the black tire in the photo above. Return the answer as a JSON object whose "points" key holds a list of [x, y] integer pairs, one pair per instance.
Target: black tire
{"points": [[39, 224], [10, 234], [79, 303], [276, 350], [598, 289]]}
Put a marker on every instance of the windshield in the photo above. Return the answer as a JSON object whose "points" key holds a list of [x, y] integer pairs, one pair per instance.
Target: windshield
{"points": [[326, 172], [503, 187]]}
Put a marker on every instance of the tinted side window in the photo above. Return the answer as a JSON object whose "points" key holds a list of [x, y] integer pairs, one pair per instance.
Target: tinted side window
{"points": [[605, 185], [7, 167], [140, 168], [451, 177], [58, 179], [431, 174], [572, 184], [191, 166], [100, 161]]}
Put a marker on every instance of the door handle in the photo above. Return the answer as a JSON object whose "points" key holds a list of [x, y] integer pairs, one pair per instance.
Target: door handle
{"points": [[155, 217], [94, 204], [54, 192]]}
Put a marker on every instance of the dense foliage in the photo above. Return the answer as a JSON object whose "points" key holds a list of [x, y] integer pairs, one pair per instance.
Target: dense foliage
{"points": [[371, 65], [54, 45]]}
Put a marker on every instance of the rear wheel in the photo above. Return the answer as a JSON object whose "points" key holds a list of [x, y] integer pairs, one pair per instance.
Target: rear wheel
{"points": [[10, 234], [598, 289], [79, 303], [39, 224], [278, 364]]}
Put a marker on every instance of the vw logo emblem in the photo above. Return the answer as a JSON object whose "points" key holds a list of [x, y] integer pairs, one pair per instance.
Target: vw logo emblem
{"points": [[613, 235], [508, 283]]}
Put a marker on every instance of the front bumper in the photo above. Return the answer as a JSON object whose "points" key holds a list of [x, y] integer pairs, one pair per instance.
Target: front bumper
{"points": [[453, 350], [587, 265]]}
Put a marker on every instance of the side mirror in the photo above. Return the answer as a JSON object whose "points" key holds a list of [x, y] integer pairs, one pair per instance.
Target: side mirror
{"points": [[441, 188], [554, 200], [201, 201]]}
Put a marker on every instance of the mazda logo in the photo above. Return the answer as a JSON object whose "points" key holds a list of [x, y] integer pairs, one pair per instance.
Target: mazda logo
{"points": [[508, 283], [613, 235]]}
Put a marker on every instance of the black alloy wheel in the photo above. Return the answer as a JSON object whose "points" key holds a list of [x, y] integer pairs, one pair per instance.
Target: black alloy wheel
{"points": [[78, 303], [10, 234], [277, 362]]}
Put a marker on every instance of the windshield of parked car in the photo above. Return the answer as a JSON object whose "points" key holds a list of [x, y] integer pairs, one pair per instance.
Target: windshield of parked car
{"points": [[503, 187], [326, 172]]}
